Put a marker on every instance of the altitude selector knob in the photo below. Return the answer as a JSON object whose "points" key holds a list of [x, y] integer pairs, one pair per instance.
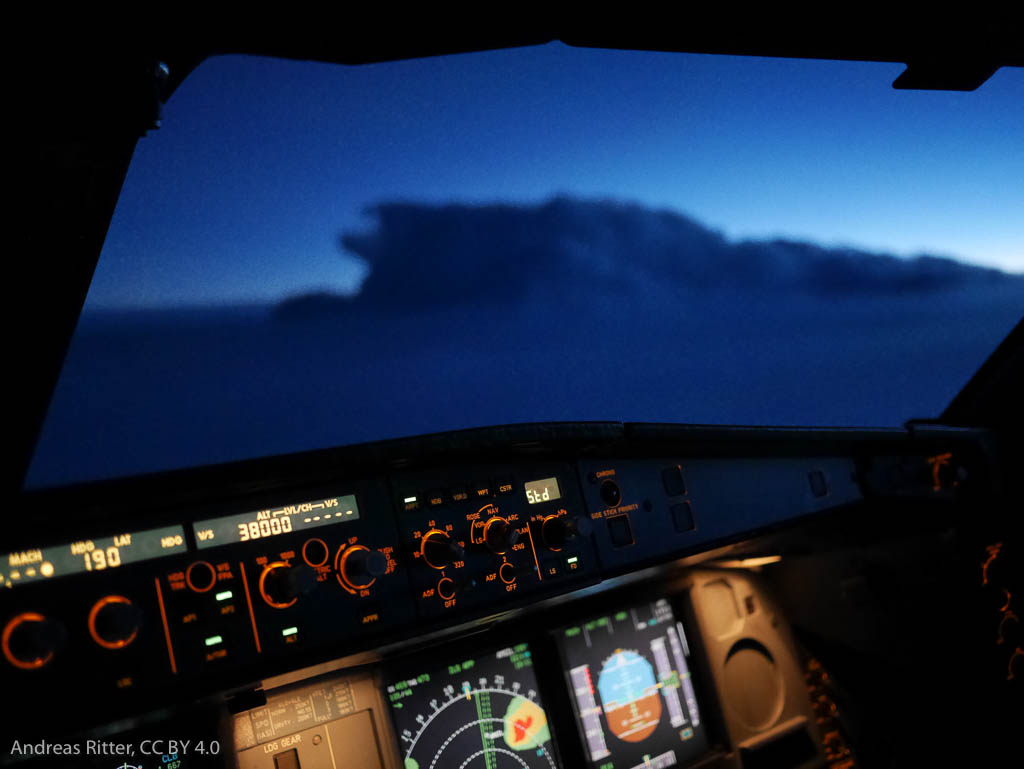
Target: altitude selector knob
{"points": [[499, 535], [438, 550], [558, 530], [281, 584], [360, 566]]}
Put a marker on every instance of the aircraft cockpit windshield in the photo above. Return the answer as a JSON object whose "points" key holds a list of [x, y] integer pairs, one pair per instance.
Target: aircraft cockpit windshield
{"points": [[308, 255]]}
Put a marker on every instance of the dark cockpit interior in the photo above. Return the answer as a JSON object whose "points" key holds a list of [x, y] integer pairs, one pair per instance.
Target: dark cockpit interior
{"points": [[603, 594]]}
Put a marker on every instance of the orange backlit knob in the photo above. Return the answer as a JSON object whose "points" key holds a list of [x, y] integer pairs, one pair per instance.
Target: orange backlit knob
{"points": [[201, 576], [277, 585], [359, 566], [114, 622], [30, 640], [446, 588], [438, 550]]}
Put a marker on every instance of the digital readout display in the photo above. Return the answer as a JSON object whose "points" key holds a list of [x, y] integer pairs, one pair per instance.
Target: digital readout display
{"points": [[261, 524], [100, 554], [542, 491]]}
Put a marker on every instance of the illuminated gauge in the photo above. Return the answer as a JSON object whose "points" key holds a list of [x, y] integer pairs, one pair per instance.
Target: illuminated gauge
{"points": [[358, 566], [30, 640], [114, 622], [474, 713]]}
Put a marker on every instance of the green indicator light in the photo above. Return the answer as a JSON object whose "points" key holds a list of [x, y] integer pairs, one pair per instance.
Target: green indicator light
{"points": [[223, 596], [574, 559], [290, 631], [214, 640]]}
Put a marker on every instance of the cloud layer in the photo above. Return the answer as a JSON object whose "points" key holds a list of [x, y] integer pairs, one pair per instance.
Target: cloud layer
{"points": [[457, 252]]}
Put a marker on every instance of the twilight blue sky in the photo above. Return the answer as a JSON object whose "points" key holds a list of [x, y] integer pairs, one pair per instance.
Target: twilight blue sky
{"points": [[261, 164]]}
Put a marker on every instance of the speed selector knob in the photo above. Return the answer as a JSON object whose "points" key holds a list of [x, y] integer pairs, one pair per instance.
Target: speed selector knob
{"points": [[557, 530], [30, 640], [438, 550], [281, 584], [499, 536], [360, 566], [114, 622]]}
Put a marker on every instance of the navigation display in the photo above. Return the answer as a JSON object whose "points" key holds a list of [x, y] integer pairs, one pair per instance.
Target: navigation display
{"points": [[482, 712], [631, 689], [36, 564], [260, 524]]}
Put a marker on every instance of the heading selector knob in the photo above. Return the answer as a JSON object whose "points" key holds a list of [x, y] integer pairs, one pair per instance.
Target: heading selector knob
{"points": [[359, 566], [30, 640], [114, 622], [438, 550], [557, 530], [499, 535]]}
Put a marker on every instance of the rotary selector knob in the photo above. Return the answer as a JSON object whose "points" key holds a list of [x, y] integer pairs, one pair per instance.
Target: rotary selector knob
{"points": [[499, 535], [557, 530], [438, 550], [114, 622], [281, 584], [359, 566], [30, 640]]}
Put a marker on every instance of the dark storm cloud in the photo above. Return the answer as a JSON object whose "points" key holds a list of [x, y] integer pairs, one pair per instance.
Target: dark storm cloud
{"points": [[456, 252]]}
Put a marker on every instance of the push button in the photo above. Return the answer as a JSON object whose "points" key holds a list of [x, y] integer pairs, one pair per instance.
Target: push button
{"points": [[672, 478], [460, 493], [682, 516], [819, 486], [482, 490], [610, 493], [503, 486], [620, 531], [214, 649]]}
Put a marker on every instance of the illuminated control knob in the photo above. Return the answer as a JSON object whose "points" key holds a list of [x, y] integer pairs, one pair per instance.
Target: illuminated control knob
{"points": [[201, 576], [114, 622], [30, 640], [360, 566], [499, 536], [557, 530], [438, 550], [446, 588], [282, 584]]}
